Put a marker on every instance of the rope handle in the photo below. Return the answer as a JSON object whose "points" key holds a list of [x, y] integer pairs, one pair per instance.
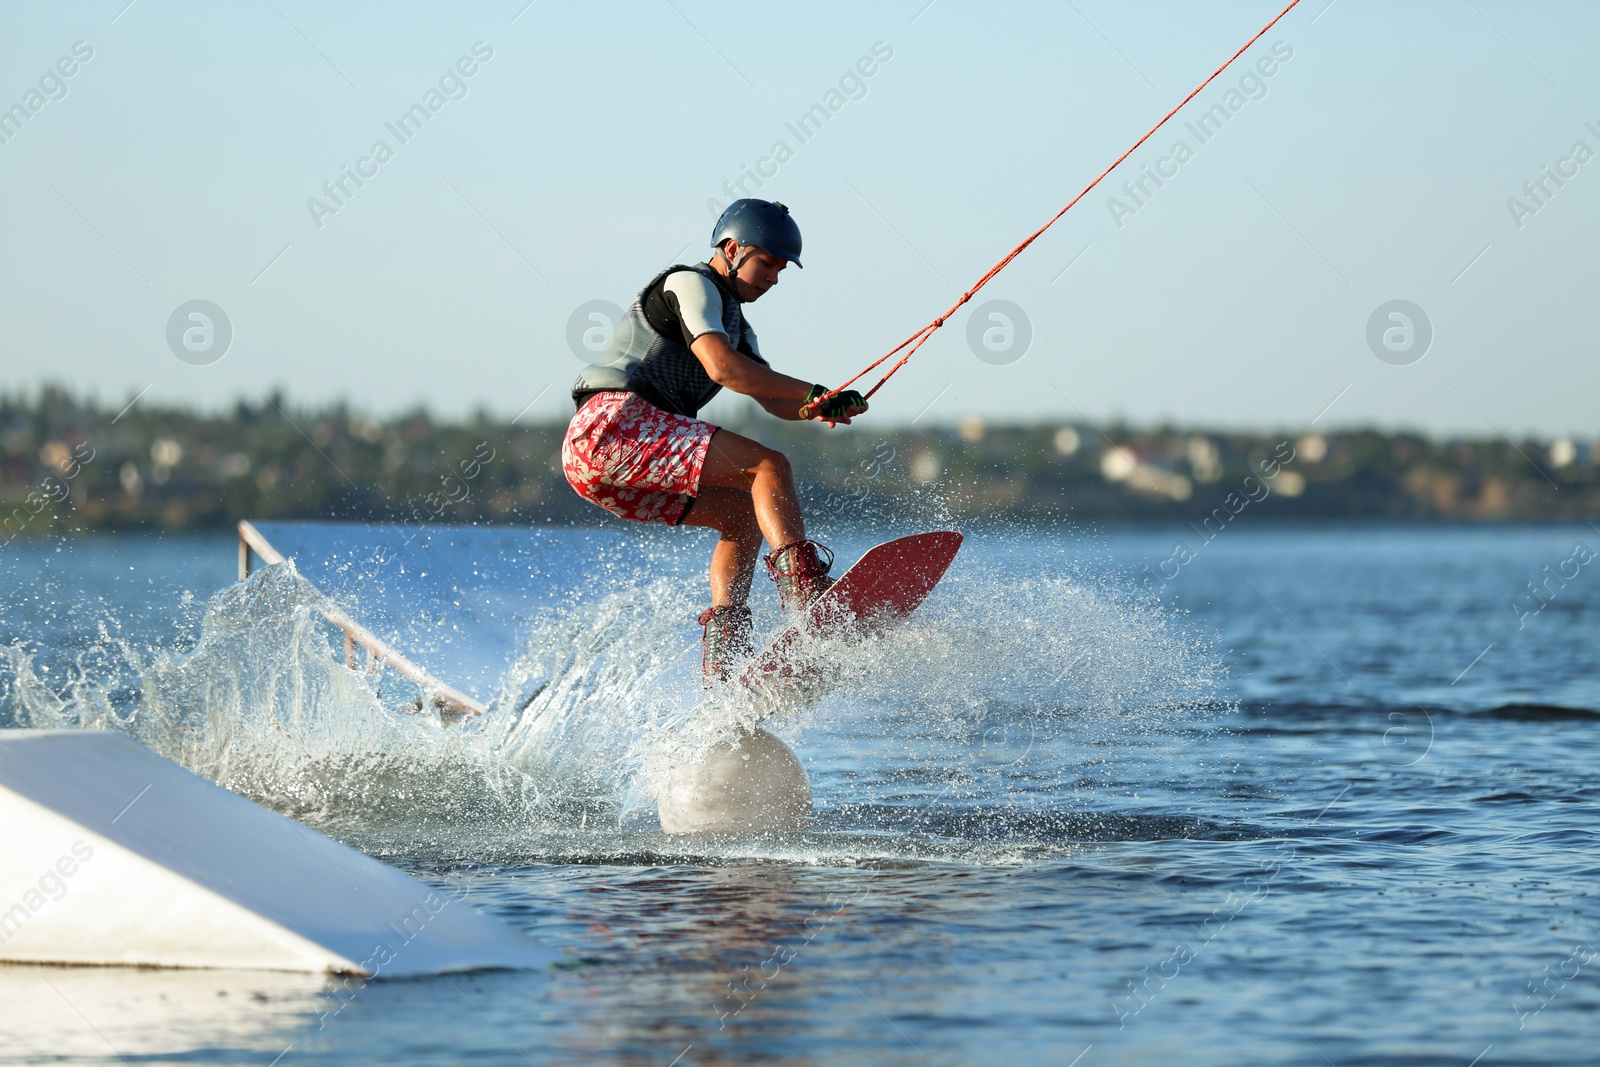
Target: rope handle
{"points": [[916, 340]]}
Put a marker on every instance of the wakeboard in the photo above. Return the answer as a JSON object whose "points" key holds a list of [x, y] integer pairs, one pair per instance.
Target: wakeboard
{"points": [[883, 587]]}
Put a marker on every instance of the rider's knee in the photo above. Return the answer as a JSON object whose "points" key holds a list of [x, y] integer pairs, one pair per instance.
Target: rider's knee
{"points": [[774, 463]]}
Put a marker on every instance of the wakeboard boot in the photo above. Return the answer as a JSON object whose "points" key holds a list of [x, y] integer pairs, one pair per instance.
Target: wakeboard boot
{"points": [[801, 572], [726, 643]]}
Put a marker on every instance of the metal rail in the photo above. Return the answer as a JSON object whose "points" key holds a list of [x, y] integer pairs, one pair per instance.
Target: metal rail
{"points": [[452, 703]]}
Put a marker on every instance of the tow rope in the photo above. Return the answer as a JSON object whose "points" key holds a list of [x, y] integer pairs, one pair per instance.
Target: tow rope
{"points": [[916, 340]]}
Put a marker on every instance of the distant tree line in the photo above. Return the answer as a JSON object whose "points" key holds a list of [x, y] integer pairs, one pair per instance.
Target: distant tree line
{"points": [[69, 463]]}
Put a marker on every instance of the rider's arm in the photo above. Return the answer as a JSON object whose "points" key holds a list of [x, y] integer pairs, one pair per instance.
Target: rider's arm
{"points": [[737, 371], [785, 409], [780, 394], [695, 299]]}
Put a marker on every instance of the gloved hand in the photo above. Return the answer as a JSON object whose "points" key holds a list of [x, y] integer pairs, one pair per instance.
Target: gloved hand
{"points": [[835, 407]]}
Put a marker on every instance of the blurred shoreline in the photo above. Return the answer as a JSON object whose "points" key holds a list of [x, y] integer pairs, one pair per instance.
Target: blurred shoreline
{"points": [[69, 464]]}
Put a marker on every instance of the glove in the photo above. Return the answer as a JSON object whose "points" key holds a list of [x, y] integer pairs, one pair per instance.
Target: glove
{"points": [[835, 407]]}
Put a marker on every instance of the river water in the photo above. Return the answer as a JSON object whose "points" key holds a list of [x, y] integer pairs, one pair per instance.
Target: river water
{"points": [[1320, 796]]}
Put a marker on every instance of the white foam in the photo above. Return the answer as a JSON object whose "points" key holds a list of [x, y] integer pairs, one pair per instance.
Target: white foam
{"points": [[591, 719]]}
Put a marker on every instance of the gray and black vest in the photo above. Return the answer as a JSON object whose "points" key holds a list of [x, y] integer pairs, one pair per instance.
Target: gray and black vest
{"points": [[649, 354]]}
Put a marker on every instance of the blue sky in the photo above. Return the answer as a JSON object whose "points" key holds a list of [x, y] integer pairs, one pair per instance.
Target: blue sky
{"points": [[1376, 163]]}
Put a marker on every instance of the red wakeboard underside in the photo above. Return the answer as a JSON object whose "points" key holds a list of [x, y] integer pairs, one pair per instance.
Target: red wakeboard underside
{"points": [[883, 587]]}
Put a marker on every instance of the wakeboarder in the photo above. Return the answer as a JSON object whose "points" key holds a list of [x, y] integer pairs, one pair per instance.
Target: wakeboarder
{"points": [[636, 448]]}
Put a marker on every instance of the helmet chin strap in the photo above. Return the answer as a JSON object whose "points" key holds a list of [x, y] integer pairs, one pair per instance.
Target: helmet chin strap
{"points": [[734, 265]]}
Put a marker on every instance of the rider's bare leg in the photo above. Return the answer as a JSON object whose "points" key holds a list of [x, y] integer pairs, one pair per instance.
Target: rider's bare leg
{"points": [[735, 462], [739, 465], [733, 562]]}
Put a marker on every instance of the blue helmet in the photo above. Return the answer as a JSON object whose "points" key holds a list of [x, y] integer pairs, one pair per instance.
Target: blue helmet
{"points": [[765, 224]]}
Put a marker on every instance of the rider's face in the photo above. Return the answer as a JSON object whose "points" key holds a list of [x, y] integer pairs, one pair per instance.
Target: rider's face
{"points": [[758, 273]]}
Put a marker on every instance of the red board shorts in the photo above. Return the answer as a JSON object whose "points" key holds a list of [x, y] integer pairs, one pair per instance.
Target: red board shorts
{"points": [[633, 459]]}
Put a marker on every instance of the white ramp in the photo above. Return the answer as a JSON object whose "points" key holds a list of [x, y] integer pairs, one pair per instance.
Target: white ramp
{"points": [[110, 854]]}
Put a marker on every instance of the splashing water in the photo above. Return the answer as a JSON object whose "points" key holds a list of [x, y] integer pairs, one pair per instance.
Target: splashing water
{"points": [[261, 706], [593, 714]]}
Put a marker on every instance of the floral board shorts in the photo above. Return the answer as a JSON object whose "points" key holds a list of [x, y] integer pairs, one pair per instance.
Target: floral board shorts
{"points": [[633, 459]]}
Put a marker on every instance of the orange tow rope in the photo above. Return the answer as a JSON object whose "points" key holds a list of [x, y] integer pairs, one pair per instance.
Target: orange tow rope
{"points": [[915, 341]]}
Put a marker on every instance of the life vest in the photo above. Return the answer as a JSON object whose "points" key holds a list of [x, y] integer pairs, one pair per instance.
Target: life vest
{"points": [[648, 354]]}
